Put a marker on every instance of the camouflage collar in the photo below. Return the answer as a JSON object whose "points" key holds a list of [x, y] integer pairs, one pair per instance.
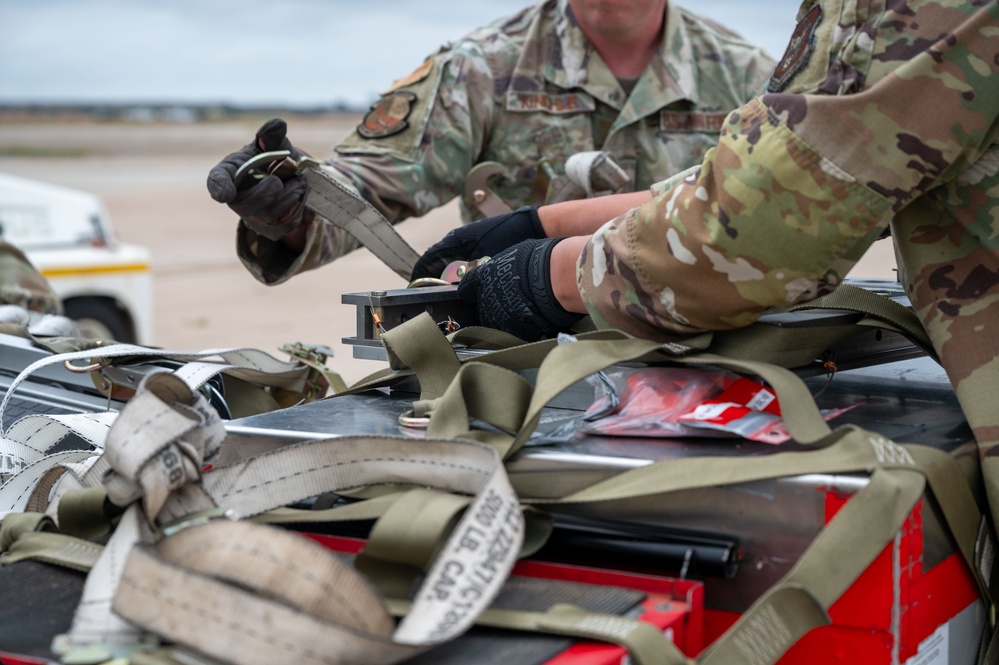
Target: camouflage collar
{"points": [[671, 77], [557, 51], [677, 55]]}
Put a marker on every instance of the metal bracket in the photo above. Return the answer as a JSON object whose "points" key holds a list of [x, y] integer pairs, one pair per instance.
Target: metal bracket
{"points": [[275, 162], [480, 196]]}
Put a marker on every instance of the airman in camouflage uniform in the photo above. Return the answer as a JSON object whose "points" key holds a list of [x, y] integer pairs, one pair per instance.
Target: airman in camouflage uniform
{"points": [[22, 285], [879, 113], [527, 92]]}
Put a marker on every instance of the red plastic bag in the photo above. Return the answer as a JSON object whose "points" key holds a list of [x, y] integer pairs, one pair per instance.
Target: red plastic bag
{"points": [[687, 402]]}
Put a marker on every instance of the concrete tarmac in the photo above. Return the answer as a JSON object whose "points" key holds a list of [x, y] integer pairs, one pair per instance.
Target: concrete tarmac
{"points": [[152, 179]]}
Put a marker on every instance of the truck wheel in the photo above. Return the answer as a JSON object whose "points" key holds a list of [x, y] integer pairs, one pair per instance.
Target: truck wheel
{"points": [[100, 319]]}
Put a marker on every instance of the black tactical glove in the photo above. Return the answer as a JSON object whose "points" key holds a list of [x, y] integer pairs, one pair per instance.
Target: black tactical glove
{"points": [[486, 237], [513, 292], [271, 207]]}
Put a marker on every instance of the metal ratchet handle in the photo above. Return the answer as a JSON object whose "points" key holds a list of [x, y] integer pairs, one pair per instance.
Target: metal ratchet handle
{"points": [[452, 274], [275, 162], [457, 269]]}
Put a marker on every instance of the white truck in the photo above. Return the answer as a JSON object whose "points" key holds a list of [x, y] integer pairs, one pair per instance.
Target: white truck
{"points": [[104, 284]]}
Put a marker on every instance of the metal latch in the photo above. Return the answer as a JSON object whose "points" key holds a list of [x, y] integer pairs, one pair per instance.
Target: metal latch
{"points": [[452, 274], [275, 162]]}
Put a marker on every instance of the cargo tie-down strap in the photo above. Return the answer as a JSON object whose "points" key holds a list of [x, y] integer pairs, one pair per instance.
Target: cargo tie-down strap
{"points": [[26, 446], [174, 568], [161, 452], [841, 552], [348, 211], [163, 439], [786, 346]]}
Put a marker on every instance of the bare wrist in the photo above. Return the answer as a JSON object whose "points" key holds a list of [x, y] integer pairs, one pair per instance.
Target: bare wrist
{"points": [[563, 273]]}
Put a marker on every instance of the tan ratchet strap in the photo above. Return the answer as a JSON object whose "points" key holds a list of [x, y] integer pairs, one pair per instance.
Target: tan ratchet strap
{"points": [[348, 211]]}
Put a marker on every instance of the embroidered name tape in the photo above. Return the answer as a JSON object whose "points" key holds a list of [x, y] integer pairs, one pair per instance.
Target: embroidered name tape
{"points": [[571, 102], [691, 121]]}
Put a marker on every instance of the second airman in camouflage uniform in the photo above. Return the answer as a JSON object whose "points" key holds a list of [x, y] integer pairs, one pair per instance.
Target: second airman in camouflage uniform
{"points": [[878, 114], [527, 92]]}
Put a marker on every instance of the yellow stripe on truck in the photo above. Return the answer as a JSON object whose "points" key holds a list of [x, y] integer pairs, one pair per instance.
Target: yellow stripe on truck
{"points": [[93, 270]]}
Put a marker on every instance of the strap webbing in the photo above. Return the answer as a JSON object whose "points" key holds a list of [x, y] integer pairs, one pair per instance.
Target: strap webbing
{"points": [[851, 298], [840, 553], [846, 450], [568, 363], [353, 214], [158, 434], [645, 643], [859, 531]]}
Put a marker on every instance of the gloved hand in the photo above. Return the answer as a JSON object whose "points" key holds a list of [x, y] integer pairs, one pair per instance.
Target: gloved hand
{"points": [[513, 292], [486, 237], [271, 207]]}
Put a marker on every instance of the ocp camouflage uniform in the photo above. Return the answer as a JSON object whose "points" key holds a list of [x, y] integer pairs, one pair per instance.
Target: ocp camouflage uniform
{"points": [[892, 118], [22, 285], [527, 92]]}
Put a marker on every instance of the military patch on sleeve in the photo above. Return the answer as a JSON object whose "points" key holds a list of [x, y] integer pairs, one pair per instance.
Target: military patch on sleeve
{"points": [[387, 116], [799, 50]]}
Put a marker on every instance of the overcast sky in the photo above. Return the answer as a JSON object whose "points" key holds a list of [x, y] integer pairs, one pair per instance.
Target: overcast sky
{"points": [[298, 52]]}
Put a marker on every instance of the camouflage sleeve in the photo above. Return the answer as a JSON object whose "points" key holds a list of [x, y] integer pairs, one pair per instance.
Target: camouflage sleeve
{"points": [[797, 188], [409, 155], [22, 285]]}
